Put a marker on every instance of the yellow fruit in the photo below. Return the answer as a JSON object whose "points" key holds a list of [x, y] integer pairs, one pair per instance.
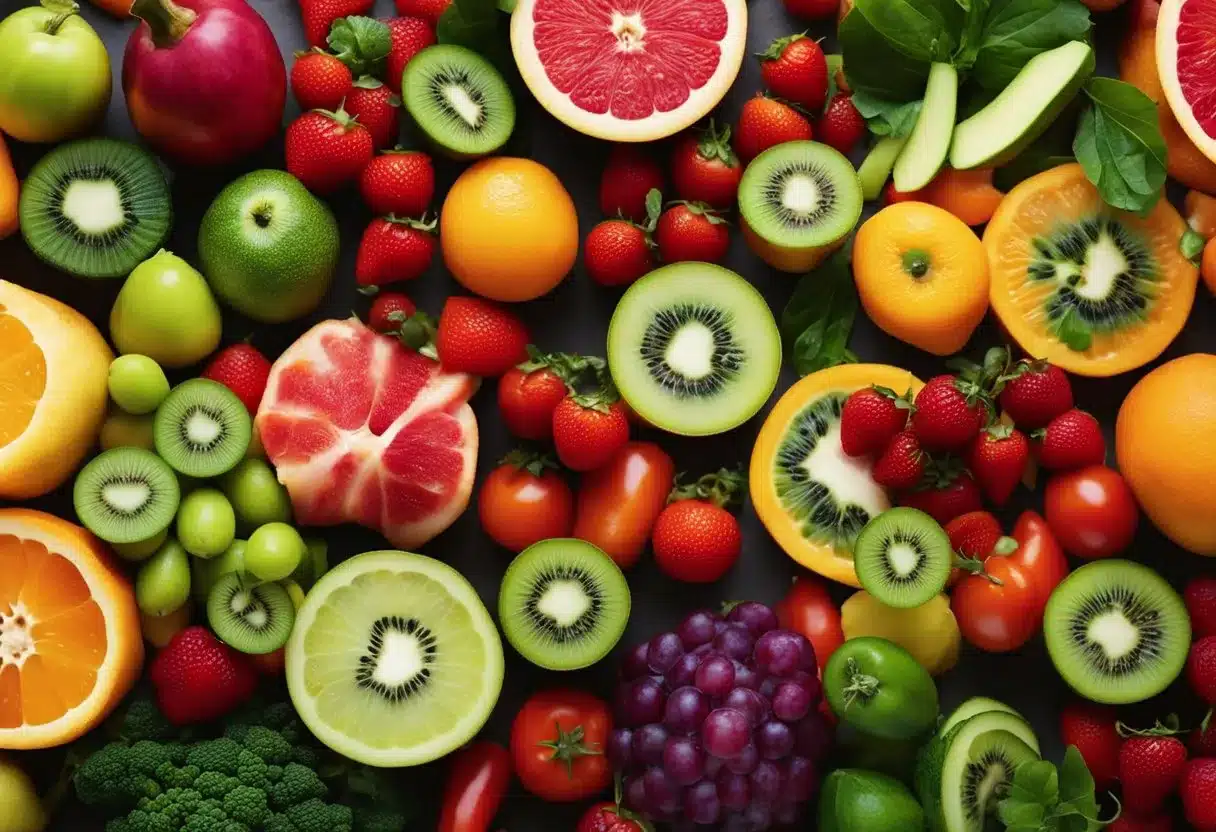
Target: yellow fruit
{"points": [[922, 276], [52, 391], [70, 645], [20, 808], [508, 229], [929, 632], [159, 630], [1163, 442]]}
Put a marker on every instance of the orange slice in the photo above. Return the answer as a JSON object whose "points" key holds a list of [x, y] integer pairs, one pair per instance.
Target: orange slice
{"points": [[70, 644]]}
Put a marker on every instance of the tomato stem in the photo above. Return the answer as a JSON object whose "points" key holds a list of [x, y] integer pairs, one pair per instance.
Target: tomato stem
{"points": [[568, 746], [861, 685]]}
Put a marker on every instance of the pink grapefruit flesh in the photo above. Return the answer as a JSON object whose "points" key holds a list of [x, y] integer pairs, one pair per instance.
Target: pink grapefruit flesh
{"points": [[629, 70], [363, 430], [1186, 60]]}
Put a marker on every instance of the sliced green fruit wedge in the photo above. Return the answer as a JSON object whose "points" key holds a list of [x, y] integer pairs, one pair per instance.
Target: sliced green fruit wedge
{"points": [[394, 660], [975, 706]]}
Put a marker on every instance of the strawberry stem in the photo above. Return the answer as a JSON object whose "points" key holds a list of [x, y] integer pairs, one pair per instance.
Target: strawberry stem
{"points": [[533, 461], [1169, 728], [721, 488]]}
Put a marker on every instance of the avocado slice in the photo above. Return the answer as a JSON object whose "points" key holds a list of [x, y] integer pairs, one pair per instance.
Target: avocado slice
{"points": [[1024, 109], [925, 152], [876, 169]]}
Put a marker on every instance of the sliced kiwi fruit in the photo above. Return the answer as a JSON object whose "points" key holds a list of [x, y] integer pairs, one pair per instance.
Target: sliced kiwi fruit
{"points": [[96, 207], [459, 100], [693, 348], [1117, 632], [202, 429], [975, 706], [126, 495], [903, 557], [251, 617], [563, 604]]}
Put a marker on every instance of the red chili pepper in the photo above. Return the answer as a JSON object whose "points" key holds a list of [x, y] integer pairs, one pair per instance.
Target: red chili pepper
{"points": [[477, 782]]}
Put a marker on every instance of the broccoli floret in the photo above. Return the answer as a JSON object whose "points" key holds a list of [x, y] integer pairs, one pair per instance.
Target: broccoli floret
{"points": [[246, 805], [118, 775], [144, 721], [214, 785], [297, 785], [379, 820], [251, 770], [170, 775], [317, 816], [270, 745], [220, 755]]}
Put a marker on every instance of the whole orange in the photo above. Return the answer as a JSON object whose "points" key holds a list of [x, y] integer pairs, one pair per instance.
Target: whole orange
{"points": [[1163, 442], [508, 229]]}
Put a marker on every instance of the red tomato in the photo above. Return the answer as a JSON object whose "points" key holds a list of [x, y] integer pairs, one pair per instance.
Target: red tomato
{"points": [[997, 618], [558, 743], [1092, 512], [520, 505], [609, 817], [619, 503], [477, 782], [1039, 555], [809, 610]]}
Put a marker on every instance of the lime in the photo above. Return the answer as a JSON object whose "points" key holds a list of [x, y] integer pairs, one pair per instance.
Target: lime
{"points": [[857, 799], [137, 384], [394, 660]]}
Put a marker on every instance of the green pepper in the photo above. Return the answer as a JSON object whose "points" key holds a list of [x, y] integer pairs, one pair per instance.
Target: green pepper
{"points": [[877, 687]]}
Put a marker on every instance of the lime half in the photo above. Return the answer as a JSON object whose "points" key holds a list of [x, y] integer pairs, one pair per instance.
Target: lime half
{"points": [[394, 660]]}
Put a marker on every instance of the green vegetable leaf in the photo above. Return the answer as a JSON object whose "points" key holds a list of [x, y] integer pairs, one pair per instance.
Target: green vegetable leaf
{"points": [[887, 118], [1015, 31], [877, 66], [1019, 815], [926, 30], [818, 319], [362, 43], [473, 24], [1119, 144], [1036, 780], [972, 35]]}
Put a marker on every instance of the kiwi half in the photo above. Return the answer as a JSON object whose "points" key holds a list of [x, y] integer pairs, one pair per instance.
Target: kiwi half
{"points": [[202, 429], [903, 557], [694, 349], [96, 207], [126, 495], [251, 617], [1117, 632], [564, 604], [459, 100]]}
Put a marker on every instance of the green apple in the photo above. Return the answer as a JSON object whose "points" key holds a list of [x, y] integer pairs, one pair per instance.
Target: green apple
{"points": [[56, 77], [166, 312], [269, 247]]}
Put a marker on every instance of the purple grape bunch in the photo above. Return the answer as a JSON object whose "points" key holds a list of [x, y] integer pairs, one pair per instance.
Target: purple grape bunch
{"points": [[718, 723]]}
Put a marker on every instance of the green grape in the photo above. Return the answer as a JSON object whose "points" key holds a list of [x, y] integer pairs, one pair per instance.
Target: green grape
{"points": [[140, 549], [256, 494], [137, 384], [274, 551], [163, 582], [206, 524], [209, 570], [122, 430]]}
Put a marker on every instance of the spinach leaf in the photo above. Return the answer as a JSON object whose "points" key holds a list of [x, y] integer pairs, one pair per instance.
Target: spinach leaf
{"points": [[1016, 30], [1119, 144], [887, 118], [927, 30], [874, 65], [818, 319], [972, 35]]}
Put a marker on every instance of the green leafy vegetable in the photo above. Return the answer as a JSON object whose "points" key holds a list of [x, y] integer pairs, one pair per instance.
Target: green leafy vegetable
{"points": [[1042, 799], [362, 43], [887, 118], [1015, 31], [878, 66], [1119, 144], [818, 319], [473, 24]]}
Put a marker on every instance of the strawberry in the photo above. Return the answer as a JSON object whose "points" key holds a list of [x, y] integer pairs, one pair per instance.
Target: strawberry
{"points": [[1134, 823], [244, 371], [326, 150], [1202, 741], [692, 231], [588, 429], [812, 9], [530, 392], [766, 123], [948, 492], [410, 35], [394, 249], [1198, 790], [841, 126], [400, 182], [389, 311], [618, 252], [1071, 440], [997, 458], [902, 465], [695, 539], [1092, 729], [975, 534], [199, 679], [1150, 766], [611, 817], [1200, 597], [319, 16], [377, 108], [480, 337], [1201, 669], [1034, 393], [870, 419], [428, 10], [948, 413], [795, 69], [319, 81], [705, 168], [630, 175]]}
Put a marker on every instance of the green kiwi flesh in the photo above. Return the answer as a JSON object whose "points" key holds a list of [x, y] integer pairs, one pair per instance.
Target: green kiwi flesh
{"points": [[903, 557], [251, 617], [1117, 632], [126, 495], [975, 706], [96, 207], [694, 349], [202, 429], [800, 195], [459, 100], [564, 604]]}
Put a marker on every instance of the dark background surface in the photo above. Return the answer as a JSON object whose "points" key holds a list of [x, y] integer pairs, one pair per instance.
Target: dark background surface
{"points": [[575, 318]]}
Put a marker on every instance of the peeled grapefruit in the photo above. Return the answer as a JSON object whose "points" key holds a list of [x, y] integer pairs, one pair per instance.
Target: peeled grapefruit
{"points": [[1186, 47], [362, 430], [629, 70]]}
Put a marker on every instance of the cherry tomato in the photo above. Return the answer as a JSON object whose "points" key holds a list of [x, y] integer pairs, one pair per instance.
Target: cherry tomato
{"points": [[997, 617], [558, 742], [619, 503], [525, 500], [477, 782], [1039, 555], [609, 817], [526, 400], [1092, 512], [808, 609]]}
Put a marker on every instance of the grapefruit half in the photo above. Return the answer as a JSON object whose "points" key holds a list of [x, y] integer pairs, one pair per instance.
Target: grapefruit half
{"points": [[1186, 61], [629, 70]]}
